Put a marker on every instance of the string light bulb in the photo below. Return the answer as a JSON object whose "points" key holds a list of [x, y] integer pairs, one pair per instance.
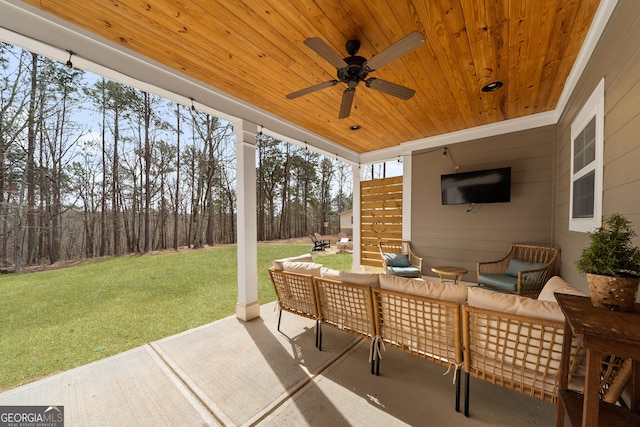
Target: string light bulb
{"points": [[68, 67]]}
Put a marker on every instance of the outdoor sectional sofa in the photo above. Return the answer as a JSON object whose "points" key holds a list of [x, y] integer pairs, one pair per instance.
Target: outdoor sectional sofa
{"points": [[508, 340]]}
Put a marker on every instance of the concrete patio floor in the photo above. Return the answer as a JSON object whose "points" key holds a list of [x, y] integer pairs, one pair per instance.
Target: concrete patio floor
{"points": [[237, 373]]}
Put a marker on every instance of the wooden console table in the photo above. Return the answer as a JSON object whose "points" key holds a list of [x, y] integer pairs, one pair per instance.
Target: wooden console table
{"points": [[602, 332]]}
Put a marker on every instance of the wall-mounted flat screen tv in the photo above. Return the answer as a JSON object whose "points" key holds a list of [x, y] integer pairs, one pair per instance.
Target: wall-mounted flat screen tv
{"points": [[485, 186]]}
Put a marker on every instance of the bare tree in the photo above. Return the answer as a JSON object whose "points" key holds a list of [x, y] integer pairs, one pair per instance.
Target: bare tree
{"points": [[120, 99], [59, 135], [211, 132], [176, 210], [326, 176], [62, 196], [270, 181], [31, 165], [343, 198], [12, 105]]}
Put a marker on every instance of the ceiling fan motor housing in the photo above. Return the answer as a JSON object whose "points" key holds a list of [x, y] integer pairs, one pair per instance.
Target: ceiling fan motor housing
{"points": [[355, 72]]}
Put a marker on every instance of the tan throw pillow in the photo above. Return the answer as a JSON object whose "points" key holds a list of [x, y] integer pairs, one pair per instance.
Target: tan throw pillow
{"points": [[435, 290], [365, 279], [557, 284], [515, 304], [310, 268], [277, 263]]}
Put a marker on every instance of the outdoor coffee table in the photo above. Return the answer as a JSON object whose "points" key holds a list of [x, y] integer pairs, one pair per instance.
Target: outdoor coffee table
{"points": [[451, 274]]}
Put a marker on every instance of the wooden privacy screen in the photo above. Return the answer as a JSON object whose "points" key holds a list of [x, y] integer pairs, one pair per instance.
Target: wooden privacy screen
{"points": [[380, 216]]}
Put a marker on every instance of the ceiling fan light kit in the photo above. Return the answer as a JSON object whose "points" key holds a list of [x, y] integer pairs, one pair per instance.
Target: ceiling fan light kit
{"points": [[355, 69]]}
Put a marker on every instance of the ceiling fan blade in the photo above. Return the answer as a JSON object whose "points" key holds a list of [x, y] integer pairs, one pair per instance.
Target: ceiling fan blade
{"points": [[390, 88], [312, 89], [403, 46], [347, 101], [323, 49]]}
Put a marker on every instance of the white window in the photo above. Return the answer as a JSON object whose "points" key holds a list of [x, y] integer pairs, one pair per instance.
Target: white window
{"points": [[587, 150]]}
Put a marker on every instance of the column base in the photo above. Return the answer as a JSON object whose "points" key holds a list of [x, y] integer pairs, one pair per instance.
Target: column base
{"points": [[248, 312]]}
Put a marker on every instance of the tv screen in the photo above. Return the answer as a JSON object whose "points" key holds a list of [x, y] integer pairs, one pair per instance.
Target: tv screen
{"points": [[485, 186]]}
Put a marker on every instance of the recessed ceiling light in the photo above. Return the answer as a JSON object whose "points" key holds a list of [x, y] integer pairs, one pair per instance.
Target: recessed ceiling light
{"points": [[491, 87], [354, 127]]}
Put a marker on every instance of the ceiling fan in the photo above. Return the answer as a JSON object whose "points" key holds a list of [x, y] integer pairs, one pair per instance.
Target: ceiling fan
{"points": [[355, 69]]}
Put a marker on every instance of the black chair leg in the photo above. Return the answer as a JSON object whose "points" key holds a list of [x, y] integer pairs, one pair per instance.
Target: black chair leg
{"points": [[466, 395], [458, 381], [318, 335], [375, 360], [373, 366], [279, 318]]}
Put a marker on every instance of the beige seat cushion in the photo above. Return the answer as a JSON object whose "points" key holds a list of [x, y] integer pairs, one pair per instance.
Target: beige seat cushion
{"points": [[557, 284], [436, 290], [515, 304], [277, 263], [365, 279], [310, 268]]}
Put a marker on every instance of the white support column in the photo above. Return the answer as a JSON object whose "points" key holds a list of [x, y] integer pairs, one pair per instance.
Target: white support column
{"points": [[406, 196], [357, 176], [248, 306]]}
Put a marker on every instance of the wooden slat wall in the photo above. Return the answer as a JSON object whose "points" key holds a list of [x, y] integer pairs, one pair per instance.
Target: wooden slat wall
{"points": [[380, 216]]}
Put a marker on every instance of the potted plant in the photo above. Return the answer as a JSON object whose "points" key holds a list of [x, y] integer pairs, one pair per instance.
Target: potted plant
{"points": [[612, 265]]}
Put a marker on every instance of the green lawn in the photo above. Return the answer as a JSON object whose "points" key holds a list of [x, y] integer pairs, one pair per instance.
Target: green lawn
{"points": [[55, 320]]}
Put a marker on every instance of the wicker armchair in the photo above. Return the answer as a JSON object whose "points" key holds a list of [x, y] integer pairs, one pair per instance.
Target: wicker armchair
{"points": [[523, 271], [408, 264]]}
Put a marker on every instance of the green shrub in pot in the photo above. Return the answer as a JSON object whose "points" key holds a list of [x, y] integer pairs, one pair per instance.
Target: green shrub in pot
{"points": [[612, 264]]}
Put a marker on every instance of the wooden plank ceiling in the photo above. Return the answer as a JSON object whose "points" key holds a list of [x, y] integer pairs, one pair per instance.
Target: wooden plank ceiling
{"points": [[254, 51]]}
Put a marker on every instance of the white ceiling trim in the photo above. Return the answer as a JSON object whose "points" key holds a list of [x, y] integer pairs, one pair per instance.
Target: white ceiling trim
{"points": [[485, 131], [303, 144]]}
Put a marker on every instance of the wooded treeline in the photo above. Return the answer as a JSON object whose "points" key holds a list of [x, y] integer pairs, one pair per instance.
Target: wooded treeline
{"points": [[90, 167]]}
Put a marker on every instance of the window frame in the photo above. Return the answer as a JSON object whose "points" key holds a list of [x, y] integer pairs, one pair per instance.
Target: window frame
{"points": [[594, 107]]}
